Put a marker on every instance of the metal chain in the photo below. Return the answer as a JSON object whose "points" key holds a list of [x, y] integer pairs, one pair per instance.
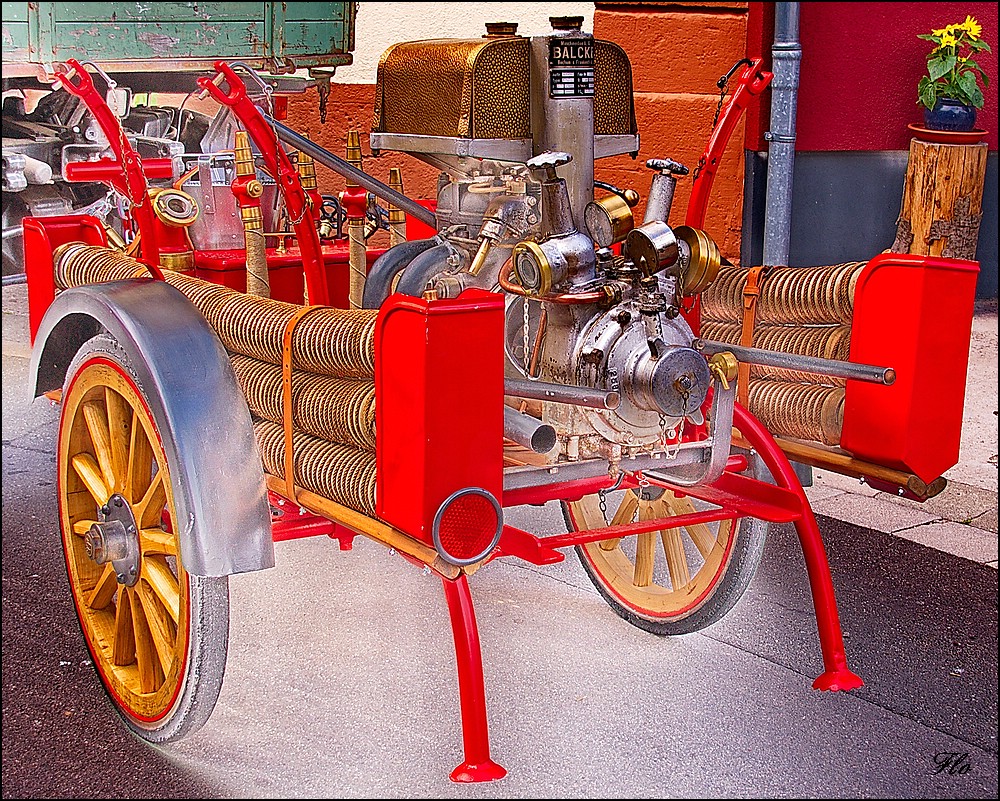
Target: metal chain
{"points": [[678, 430], [723, 84], [323, 89], [602, 496]]}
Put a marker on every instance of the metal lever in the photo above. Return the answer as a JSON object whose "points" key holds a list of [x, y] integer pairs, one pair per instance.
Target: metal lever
{"points": [[805, 364]]}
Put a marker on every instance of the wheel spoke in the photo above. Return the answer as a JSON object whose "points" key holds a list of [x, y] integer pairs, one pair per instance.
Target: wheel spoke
{"points": [[97, 424], [673, 549], [162, 631], [701, 535], [102, 594], [150, 509], [150, 672], [119, 422], [164, 584], [140, 462], [90, 474], [645, 550], [123, 649], [157, 541]]}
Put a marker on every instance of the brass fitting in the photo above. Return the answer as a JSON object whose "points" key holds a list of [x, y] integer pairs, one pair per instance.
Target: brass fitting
{"points": [[174, 207], [705, 261], [610, 219], [397, 218], [532, 268], [244, 155], [725, 367], [354, 152], [307, 171]]}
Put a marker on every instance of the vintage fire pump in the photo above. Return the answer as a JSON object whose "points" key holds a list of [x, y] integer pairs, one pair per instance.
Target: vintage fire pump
{"points": [[536, 343]]}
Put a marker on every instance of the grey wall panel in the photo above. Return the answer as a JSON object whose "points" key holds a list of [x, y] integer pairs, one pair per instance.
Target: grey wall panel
{"points": [[844, 208]]}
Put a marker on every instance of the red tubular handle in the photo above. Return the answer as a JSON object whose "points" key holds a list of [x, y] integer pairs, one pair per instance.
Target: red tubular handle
{"points": [[109, 170], [128, 177], [280, 166]]}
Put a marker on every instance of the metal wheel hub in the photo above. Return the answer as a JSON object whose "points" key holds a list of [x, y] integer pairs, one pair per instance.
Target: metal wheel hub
{"points": [[115, 538]]}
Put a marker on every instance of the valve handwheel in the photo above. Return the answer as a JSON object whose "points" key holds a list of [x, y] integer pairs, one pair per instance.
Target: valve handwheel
{"points": [[158, 635], [547, 162], [673, 581]]}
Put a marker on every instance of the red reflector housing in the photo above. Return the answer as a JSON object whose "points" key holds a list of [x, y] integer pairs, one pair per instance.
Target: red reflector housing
{"points": [[467, 526]]}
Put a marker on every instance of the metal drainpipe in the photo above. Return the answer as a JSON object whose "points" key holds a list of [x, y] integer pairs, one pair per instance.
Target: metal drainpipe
{"points": [[786, 54]]}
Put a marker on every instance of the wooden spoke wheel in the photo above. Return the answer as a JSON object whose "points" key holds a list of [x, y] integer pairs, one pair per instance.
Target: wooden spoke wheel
{"points": [[673, 581], [158, 636]]}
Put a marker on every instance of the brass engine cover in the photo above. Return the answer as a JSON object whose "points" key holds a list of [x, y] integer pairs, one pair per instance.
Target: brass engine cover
{"points": [[481, 89]]}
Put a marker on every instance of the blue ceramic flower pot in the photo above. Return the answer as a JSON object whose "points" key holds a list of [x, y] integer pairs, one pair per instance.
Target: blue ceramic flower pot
{"points": [[949, 114]]}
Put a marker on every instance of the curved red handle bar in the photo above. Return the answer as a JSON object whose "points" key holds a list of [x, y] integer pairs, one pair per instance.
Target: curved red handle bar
{"points": [[280, 166], [131, 181]]}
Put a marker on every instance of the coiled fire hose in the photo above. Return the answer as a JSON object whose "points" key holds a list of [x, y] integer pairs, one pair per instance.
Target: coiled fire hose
{"points": [[801, 310]]}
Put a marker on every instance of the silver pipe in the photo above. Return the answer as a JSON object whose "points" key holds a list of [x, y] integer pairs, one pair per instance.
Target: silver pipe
{"points": [[688, 453], [805, 364], [786, 55], [16, 278], [13, 231], [528, 431], [561, 393], [352, 173]]}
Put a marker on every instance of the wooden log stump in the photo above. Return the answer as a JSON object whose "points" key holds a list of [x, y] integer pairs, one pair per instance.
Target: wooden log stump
{"points": [[942, 200]]}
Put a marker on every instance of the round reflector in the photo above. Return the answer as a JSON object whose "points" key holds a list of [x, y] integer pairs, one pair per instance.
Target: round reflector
{"points": [[467, 526]]}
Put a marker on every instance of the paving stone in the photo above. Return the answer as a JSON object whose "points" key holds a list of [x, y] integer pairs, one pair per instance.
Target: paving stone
{"points": [[959, 502], [874, 513], [955, 538]]}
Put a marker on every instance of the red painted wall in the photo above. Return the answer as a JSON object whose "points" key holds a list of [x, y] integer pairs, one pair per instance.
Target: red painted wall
{"points": [[860, 67]]}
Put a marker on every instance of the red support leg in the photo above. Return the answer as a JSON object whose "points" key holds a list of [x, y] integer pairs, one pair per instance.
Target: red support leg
{"points": [[837, 676], [477, 767]]}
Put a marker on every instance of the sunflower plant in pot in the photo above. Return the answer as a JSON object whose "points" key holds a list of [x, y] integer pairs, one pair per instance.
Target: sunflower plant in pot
{"points": [[950, 91]]}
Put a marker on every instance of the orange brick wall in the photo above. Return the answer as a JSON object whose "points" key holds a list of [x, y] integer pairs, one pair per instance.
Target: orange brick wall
{"points": [[678, 52]]}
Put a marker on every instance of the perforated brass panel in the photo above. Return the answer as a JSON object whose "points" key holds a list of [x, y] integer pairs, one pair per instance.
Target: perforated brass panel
{"points": [[455, 87], [481, 88], [614, 106]]}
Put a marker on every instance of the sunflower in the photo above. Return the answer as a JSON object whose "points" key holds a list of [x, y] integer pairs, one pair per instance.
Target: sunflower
{"points": [[972, 27], [948, 40], [944, 31]]}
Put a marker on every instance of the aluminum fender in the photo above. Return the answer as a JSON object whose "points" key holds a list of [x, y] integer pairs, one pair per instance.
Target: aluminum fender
{"points": [[199, 409]]}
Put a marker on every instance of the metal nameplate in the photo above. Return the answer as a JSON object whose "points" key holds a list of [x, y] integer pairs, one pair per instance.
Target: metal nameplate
{"points": [[571, 67]]}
